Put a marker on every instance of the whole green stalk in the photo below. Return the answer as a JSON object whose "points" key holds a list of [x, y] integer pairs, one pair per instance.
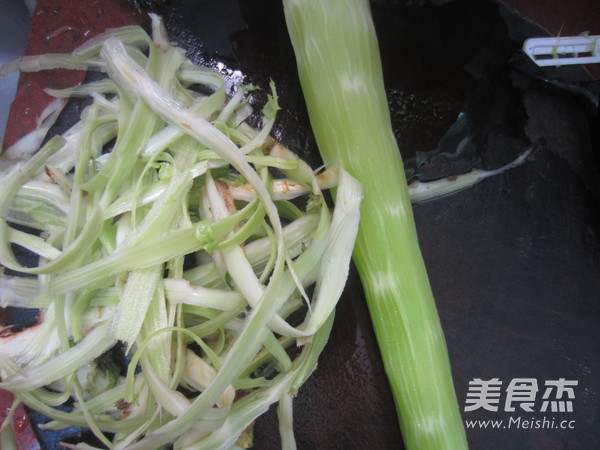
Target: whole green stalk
{"points": [[340, 72]]}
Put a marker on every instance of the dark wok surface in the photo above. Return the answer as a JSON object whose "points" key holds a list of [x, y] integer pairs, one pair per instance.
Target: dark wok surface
{"points": [[514, 262]]}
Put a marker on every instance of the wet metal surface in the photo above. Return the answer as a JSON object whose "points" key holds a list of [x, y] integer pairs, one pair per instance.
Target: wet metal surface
{"points": [[514, 262]]}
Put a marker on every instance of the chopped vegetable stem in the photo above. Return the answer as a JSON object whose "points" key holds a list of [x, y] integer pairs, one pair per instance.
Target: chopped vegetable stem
{"points": [[143, 262]]}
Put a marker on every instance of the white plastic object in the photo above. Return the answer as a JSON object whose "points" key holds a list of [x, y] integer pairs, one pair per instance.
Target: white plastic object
{"points": [[559, 51]]}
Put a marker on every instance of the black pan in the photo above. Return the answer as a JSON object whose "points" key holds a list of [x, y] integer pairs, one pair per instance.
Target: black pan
{"points": [[514, 261]]}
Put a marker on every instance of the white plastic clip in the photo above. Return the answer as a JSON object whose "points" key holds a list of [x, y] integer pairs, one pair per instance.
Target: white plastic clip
{"points": [[559, 51]]}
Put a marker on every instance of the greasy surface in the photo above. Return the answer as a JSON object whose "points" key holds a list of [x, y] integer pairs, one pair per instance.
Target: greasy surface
{"points": [[514, 262], [518, 286]]}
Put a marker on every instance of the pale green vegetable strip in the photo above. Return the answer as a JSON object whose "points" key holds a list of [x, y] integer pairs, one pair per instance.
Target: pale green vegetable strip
{"points": [[45, 193], [7, 434], [340, 71], [420, 191], [159, 348], [115, 209], [252, 335], [91, 346], [34, 243], [181, 291], [91, 423], [243, 410], [18, 291], [238, 266], [107, 424], [286, 421], [139, 290], [340, 242], [31, 142], [257, 251], [132, 76], [152, 252], [100, 87], [70, 255]]}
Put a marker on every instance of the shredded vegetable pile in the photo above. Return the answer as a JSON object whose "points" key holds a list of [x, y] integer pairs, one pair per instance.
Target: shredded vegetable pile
{"points": [[186, 266]]}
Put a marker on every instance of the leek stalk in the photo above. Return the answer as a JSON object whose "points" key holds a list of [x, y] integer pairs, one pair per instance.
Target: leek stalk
{"points": [[340, 72]]}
